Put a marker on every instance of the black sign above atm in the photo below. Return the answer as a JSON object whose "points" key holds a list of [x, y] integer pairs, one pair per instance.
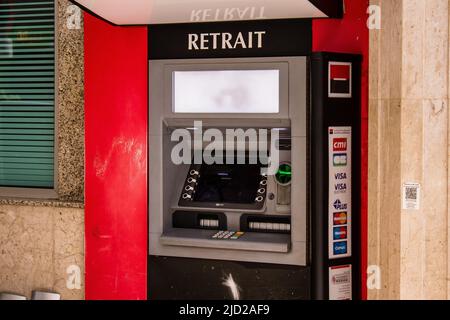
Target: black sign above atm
{"points": [[231, 40]]}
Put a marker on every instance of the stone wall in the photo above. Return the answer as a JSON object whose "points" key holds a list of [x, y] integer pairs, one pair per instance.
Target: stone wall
{"points": [[41, 240], [38, 247], [408, 142]]}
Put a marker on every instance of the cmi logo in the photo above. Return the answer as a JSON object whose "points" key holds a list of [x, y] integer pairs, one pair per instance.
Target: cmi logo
{"points": [[340, 144]]}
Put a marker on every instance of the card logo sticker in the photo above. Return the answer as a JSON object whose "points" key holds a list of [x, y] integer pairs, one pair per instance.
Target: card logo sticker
{"points": [[339, 79], [338, 205], [340, 282], [339, 218], [340, 192], [340, 159], [339, 144], [340, 233], [340, 248]]}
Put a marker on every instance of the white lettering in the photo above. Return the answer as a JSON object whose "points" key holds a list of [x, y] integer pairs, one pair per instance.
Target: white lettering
{"points": [[226, 14], [226, 41], [74, 277], [214, 38], [229, 14], [196, 15], [252, 13], [218, 12], [193, 38], [262, 13], [242, 12], [250, 40], [374, 19], [74, 17], [374, 277], [204, 41], [260, 35], [207, 14], [240, 41]]}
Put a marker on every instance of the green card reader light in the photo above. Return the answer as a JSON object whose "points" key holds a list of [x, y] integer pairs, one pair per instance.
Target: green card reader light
{"points": [[284, 174]]}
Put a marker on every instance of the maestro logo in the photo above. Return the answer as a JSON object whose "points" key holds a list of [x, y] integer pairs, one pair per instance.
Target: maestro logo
{"points": [[340, 233], [338, 205], [339, 144]]}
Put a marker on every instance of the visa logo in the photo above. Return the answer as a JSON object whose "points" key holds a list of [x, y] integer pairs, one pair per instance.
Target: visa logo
{"points": [[340, 176], [340, 187]]}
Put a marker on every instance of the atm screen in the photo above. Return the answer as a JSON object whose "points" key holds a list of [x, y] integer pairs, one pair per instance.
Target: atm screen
{"points": [[236, 183]]}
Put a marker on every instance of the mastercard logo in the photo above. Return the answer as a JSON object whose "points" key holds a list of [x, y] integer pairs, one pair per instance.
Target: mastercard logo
{"points": [[340, 218]]}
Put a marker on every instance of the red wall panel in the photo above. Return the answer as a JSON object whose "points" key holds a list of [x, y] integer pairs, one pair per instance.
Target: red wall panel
{"points": [[116, 160], [351, 35]]}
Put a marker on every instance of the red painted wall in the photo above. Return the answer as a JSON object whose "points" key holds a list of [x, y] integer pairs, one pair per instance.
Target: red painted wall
{"points": [[351, 35], [116, 160]]}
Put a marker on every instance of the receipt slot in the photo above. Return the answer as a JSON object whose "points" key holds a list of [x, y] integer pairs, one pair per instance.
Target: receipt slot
{"points": [[253, 174]]}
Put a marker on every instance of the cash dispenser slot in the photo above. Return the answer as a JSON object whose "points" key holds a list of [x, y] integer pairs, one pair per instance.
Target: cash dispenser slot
{"points": [[266, 224], [199, 220]]}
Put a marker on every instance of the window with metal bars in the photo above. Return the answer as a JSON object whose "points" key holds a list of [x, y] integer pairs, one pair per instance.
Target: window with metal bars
{"points": [[27, 93]]}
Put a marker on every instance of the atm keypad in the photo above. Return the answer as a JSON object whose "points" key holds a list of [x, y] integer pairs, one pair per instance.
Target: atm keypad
{"points": [[228, 235]]}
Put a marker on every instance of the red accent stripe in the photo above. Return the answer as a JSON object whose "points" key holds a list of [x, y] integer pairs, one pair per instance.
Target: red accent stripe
{"points": [[116, 160]]}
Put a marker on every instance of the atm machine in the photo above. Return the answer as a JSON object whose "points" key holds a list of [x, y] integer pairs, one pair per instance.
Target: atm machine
{"points": [[253, 172]]}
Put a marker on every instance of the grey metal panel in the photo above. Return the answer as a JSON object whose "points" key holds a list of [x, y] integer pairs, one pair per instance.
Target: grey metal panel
{"points": [[248, 242], [161, 87], [166, 179], [297, 96], [224, 122], [297, 256], [299, 208]]}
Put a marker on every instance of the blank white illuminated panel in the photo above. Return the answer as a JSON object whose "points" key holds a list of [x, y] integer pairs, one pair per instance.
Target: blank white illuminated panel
{"points": [[226, 91], [132, 12]]}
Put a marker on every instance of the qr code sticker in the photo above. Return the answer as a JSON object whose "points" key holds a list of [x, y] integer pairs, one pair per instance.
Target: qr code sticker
{"points": [[411, 196], [411, 193]]}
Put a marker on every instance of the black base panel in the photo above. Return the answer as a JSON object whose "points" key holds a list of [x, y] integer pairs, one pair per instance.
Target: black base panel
{"points": [[199, 279]]}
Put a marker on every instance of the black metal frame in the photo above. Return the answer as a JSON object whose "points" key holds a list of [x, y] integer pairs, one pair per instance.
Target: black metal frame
{"points": [[326, 112]]}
